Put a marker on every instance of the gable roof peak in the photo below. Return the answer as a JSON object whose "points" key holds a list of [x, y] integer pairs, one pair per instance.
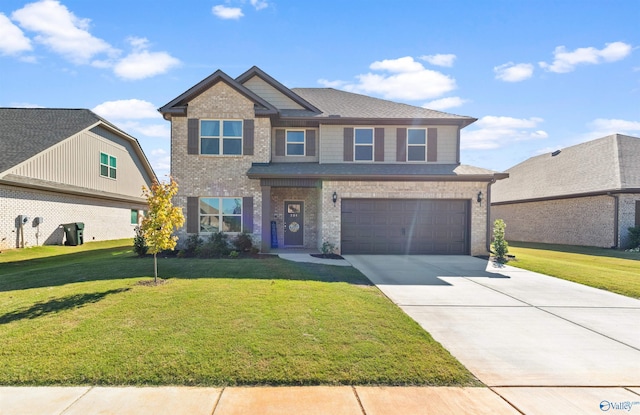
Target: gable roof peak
{"points": [[178, 106]]}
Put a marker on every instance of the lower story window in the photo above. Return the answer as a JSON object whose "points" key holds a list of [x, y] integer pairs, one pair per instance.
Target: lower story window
{"points": [[220, 214]]}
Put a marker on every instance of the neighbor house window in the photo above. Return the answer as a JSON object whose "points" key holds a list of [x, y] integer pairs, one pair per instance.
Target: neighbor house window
{"points": [[416, 144], [134, 216], [220, 214], [221, 137], [363, 144], [295, 142], [107, 166]]}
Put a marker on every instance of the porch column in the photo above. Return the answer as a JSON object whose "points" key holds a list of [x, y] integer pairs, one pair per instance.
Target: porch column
{"points": [[266, 219]]}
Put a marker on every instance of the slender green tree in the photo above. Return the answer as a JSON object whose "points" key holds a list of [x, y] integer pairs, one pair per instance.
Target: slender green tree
{"points": [[500, 246], [161, 220]]}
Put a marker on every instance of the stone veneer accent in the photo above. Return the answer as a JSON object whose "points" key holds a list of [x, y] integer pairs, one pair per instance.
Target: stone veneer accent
{"points": [[103, 219], [219, 176], [330, 214], [585, 221]]}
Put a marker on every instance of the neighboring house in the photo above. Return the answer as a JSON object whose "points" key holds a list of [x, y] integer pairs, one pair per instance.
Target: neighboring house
{"points": [[62, 166], [587, 194], [304, 166]]}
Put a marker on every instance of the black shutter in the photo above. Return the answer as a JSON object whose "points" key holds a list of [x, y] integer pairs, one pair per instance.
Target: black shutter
{"points": [[247, 214], [280, 142], [247, 137], [401, 144], [310, 138], [348, 144], [378, 144], [193, 215], [193, 132], [432, 144]]}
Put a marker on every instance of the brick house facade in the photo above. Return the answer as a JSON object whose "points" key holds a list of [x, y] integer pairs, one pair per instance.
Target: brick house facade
{"points": [[296, 168], [587, 194]]}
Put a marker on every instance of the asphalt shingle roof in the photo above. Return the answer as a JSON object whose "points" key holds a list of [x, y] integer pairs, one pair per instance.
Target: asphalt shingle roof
{"points": [[349, 105], [363, 170], [605, 164], [25, 132]]}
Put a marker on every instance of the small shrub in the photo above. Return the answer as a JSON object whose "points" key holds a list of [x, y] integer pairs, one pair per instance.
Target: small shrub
{"points": [[328, 248], [634, 237], [243, 242], [234, 254], [217, 246], [500, 246], [191, 246], [140, 243]]}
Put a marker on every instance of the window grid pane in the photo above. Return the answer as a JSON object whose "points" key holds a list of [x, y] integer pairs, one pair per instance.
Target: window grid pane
{"points": [[232, 129], [211, 135], [210, 146], [220, 214], [416, 136], [363, 136], [295, 149], [364, 153], [210, 128], [416, 153]]}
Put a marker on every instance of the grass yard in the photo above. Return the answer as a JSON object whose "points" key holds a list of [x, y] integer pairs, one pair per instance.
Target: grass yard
{"points": [[608, 269], [78, 315]]}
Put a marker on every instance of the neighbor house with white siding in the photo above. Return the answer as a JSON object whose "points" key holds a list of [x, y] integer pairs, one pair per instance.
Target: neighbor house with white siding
{"points": [[62, 166], [301, 167]]}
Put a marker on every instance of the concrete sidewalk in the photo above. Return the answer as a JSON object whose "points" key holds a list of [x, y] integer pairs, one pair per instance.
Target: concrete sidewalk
{"points": [[316, 400]]}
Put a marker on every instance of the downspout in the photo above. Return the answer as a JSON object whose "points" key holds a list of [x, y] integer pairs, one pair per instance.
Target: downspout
{"points": [[616, 219], [488, 198]]}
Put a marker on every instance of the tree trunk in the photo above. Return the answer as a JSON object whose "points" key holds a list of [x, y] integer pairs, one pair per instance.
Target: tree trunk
{"points": [[155, 269]]}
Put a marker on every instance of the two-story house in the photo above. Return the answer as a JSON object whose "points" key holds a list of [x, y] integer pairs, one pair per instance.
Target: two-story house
{"points": [[304, 166], [60, 166]]}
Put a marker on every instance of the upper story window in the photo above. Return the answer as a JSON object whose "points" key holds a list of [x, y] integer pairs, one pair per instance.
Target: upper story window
{"points": [[220, 214], [295, 143], [221, 137], [107, 166], [363, 144], [416, 144]]}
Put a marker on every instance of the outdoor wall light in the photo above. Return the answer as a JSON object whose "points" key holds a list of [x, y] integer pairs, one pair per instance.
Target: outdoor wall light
{"points": [[334, 198], [480, 196]]}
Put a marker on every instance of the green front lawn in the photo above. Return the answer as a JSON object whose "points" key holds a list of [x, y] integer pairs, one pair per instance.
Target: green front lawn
{"points": [[77, 315], [608, 269]]}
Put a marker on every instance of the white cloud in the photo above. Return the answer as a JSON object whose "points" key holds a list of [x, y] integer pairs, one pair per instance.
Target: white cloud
{"points": [[62, 31], [445, 103], [513, 72], [493, 132], [12, 40], [440, 59], [400, 65], [565, 61], [126, 109], [24, 105], [225, 12], [160, 160], [259, 4], [405, 79], [603, 127], [144, 64]]}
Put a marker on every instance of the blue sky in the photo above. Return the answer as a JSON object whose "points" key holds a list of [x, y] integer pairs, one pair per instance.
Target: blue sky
{"points": [[538, 75]]}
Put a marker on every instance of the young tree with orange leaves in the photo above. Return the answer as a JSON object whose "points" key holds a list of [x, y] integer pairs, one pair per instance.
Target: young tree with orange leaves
{"points": [[161, 220]]}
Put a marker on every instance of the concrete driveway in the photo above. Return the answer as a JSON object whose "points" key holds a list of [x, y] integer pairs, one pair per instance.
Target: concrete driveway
{"points": [[515, 328]]}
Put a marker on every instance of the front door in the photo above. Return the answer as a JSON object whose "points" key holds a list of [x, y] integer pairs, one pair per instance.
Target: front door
{"points": [[293, 223]]}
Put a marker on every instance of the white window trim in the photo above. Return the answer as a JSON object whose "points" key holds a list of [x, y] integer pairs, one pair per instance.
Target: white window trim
{"points": [[108, 176], [220, 215], [221, 137], [372, 145], [286, 142], [417, 145]]}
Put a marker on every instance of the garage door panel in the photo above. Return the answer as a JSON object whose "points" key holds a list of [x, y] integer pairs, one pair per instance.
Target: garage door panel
{"points": [[405, 226]]}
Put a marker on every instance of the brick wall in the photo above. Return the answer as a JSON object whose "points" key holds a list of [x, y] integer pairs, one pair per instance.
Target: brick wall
{"points": [[585, 221], [104, 220], [330, 214], [218, 176]]}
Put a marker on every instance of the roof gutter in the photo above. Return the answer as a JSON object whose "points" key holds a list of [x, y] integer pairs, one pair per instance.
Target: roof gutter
{"points": [[385, 178], [570, 196]]}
